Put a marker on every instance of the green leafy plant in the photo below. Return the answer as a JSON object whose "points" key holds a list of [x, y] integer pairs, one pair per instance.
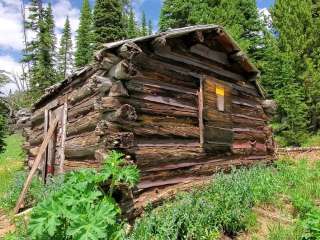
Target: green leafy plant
{"points": [[312, 225], [82, 208]]}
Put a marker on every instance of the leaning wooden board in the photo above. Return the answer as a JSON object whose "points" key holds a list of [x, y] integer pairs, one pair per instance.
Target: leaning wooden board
{"points": [[36, 164]]}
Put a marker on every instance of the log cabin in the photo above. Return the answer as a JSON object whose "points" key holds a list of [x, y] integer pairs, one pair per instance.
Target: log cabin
{"points": [[181, 105]]}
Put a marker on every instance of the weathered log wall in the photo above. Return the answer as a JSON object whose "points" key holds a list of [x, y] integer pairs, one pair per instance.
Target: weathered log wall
{"points": [[79, 144], [156, 102]]}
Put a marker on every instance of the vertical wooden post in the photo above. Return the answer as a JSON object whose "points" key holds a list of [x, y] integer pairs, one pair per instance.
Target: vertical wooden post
{"points": [[45, 155], [200, 101], [36, 163], [63, 137]]}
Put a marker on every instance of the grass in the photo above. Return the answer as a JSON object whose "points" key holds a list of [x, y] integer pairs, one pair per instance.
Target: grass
{"points": [[11, 161], [312, 141], [225, 206]]}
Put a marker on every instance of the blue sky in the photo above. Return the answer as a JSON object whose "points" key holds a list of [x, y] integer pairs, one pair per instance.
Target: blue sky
{"points": [[11, 32]]}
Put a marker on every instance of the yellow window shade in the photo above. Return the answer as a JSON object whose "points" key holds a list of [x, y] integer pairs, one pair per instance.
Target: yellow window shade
{"points": [[219, 90]]}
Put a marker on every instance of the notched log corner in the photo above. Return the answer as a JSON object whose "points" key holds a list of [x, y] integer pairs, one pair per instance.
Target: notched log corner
{"points": [[119, 140], [109, 61], [118, 90], [104, 127], [104, 84], [128, 50], [126, 113], [120, 71]]}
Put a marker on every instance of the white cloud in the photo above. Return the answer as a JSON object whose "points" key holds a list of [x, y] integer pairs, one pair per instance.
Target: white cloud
{"points": [[10, 25], [266, 17], [9, 64], [62, 9]]}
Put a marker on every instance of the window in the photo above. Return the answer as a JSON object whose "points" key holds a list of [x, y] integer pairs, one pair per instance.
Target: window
{"points": [[220, 98]]}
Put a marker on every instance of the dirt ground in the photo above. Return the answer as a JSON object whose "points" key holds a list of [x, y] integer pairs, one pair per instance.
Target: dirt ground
{"points": [[5, 225]]}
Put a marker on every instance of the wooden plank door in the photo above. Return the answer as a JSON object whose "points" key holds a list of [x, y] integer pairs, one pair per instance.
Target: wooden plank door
{"points": [[217, 135], [54, 157]]}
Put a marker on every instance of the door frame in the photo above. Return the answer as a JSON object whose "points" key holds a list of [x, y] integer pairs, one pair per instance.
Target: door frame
{"points": [[52, 144]]}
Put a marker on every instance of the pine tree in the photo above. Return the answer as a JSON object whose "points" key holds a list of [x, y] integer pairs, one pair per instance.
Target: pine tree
{"points": [[32, 24], [175, 14], [65, 57], [150, 27], [132, 30], [144, 29], [239, 17], [50, 27], [108, 21], [297, 93], [84, 38], [43, 73]]}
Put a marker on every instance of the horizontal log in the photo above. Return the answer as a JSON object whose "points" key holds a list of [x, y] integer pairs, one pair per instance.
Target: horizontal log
{"points": [[148, 125], [245, 121], [249, 134], [80, 152], [246, 102], [204, 51], [199, 64], [214, 116], [175, 176], [153, 87], [170, 101], [217, 147], [82, 109], [249, 111], [80, 94], [249, 148], [154, 156], [165, 76], [159, 66], [36, 140], [83, 138], [75, 164], [145, 106], [166, 142], [84, 124], [214, 133]]}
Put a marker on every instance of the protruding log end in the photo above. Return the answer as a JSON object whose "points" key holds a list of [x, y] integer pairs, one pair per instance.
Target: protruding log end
{"points": [[159, 42], [119, 140], [118, 90], [128, 50], [125, 112], [120, 71]]}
